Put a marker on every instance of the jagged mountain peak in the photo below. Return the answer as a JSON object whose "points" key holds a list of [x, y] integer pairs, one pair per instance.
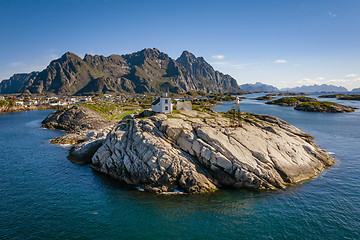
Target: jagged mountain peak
{"points": [[69, 55], [186, 56], [148, 70]]}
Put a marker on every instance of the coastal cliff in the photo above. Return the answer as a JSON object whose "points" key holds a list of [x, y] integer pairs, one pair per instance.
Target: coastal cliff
{"points": [[195, 153]]}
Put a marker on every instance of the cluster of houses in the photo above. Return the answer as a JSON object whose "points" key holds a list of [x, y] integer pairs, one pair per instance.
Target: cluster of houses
{"points": [[162, 104], [51, 101]]}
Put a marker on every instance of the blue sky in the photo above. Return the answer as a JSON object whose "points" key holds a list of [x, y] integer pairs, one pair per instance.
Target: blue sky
{"points": [[285, 43]]}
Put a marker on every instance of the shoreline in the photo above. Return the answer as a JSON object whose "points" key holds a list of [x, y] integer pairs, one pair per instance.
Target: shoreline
{"points": [[25, 109]]}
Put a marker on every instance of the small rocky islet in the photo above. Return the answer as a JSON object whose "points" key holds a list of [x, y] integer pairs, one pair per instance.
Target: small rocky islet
{"points": [[355, 97], [309, 104], [194, 151]]}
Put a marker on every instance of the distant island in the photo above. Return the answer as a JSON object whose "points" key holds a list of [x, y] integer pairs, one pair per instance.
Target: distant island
{"points": [[342, 96]]}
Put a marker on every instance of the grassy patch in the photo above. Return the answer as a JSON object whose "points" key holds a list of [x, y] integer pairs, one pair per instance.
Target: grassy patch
{"points": [[171, 116], [291, 101], [110, 111], [102, 107], [318, 104], [125, 113], [7, 103]]}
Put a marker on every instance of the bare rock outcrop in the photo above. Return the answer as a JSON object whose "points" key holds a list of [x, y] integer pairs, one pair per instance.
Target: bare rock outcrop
{"points": [[86, 131], [82, 152], [195, 155], [75, 119]]}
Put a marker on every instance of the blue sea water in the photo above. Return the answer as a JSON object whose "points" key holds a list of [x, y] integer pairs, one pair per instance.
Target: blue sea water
{"points": [[45, 196]]}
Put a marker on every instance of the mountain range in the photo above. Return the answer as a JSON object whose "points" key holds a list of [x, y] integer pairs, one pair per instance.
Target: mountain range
{"points": [[259, 87], [316, 88], [145, 71]]}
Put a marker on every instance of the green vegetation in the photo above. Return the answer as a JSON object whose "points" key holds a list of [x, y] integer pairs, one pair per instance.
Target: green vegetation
{"points": [[342, 96], [291, 101], [318, 104], [323, 106], [108, 110], [125, 113], [176, 111], [350, 97], [244, 116], [171, 116], [102, 107], [7, 103], [332, 96]]}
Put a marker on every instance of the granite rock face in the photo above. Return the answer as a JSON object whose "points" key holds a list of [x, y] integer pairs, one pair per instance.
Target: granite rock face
{"points": [[86, 131], [190, 154], [82, 152], [17, 83]]}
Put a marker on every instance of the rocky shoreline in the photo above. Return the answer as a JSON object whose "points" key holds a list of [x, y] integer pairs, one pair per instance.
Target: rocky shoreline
{"points": [[196, 152], [6, 109]]}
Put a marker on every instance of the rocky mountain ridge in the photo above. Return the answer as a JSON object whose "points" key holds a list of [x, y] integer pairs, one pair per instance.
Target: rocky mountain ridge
{"points": [[316, 88], [148, 70], [259, 87]]}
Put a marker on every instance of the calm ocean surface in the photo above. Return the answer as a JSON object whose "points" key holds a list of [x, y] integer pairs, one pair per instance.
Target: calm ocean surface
{"points": [[45, 196]]}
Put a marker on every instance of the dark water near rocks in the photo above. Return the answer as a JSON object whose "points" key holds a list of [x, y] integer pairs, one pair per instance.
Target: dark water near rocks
{"points": [[45, 196]]}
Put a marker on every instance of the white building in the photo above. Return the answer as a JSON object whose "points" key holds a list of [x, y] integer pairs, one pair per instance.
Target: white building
{"points": [[162, 105]]}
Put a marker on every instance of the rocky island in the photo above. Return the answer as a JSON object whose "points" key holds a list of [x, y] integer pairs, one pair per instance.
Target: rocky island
{"points": [[200, 151], [323, 106], [309, 104], [342, 96], [291, 101]]}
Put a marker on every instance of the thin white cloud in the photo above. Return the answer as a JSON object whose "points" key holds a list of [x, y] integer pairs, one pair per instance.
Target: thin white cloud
{"points": [[331, 14], [297, 65], [344, 80], [218, 57], [16, 64], [281, 61], [219, 63], [239, 66], [353, 75]]}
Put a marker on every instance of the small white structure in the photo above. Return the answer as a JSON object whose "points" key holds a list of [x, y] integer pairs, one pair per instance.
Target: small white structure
{"points": [[236, 104], [162, 105], [2, 98]]}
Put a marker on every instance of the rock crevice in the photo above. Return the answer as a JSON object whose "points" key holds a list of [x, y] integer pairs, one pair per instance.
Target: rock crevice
{"points": [[163, 154]]}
